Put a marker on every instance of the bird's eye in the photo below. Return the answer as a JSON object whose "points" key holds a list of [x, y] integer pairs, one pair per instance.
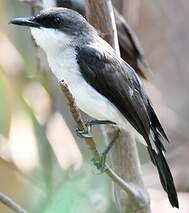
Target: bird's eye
{"points": [[56, 21]]}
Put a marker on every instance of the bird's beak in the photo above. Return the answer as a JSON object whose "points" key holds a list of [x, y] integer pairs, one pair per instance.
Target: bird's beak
{"points": [[25, 21]]}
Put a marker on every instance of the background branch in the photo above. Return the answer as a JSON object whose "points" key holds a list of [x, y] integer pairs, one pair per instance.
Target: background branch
{"points": [[11, 204], [100, 14]]}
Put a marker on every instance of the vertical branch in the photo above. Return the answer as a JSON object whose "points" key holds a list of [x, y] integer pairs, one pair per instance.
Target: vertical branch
{"points": [[103, 21], [125, 158]]}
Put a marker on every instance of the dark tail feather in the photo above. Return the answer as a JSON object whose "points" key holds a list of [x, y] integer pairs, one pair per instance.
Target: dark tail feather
{"points": [[156, 124], [156, 149], [165, 175]]}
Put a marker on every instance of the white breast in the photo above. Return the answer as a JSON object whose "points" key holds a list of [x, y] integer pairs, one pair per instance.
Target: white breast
{"points": [[65, 68]]}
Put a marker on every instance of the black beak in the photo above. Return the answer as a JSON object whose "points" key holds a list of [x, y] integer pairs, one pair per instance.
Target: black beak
{"points": [[25, 21]]}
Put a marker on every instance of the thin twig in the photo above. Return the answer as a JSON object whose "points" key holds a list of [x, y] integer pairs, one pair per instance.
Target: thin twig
{"points": [[11, 204], [77, 118]]}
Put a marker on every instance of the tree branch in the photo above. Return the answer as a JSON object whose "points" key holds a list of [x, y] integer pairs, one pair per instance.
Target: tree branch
{"points": [[100, 14], [11, 204], [77, 118]]}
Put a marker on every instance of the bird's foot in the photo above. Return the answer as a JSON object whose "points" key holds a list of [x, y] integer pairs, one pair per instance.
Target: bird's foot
{"points": [[101, 163], [85, 133]]}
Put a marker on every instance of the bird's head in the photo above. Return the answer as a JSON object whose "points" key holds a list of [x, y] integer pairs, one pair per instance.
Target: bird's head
{"points": [[56, 28]]}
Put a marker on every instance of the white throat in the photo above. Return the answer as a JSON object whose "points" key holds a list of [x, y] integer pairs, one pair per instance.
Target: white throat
{"points": [[51, 40]]}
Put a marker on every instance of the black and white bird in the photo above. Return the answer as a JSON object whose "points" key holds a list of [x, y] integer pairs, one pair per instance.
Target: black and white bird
{"points": [[103, 84]]}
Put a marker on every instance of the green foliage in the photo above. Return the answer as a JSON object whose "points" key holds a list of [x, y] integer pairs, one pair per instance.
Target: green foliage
{"points": [[82, 193]]}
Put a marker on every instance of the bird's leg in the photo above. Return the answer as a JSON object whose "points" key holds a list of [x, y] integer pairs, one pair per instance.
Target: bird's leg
{"points": [[86, 133], [101, 164]]}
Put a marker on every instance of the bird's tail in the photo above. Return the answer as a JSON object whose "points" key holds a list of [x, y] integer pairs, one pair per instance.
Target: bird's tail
{"points": [[158, 159]]}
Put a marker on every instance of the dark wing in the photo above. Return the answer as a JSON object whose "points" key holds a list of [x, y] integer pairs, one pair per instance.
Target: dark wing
{"points": [[117, 81]]}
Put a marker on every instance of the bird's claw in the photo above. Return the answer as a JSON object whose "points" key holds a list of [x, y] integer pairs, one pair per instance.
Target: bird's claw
{"points": [[83, 133], [101, 163]]}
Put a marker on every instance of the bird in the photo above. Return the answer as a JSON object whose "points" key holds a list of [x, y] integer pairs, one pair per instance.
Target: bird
{"points": [[103, 85]]}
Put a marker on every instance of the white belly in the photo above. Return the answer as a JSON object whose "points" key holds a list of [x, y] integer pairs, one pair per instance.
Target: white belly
{"points": [[86, 97]]}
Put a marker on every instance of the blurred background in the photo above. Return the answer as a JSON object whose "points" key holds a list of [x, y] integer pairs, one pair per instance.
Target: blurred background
{"points": [[42, 167]]}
